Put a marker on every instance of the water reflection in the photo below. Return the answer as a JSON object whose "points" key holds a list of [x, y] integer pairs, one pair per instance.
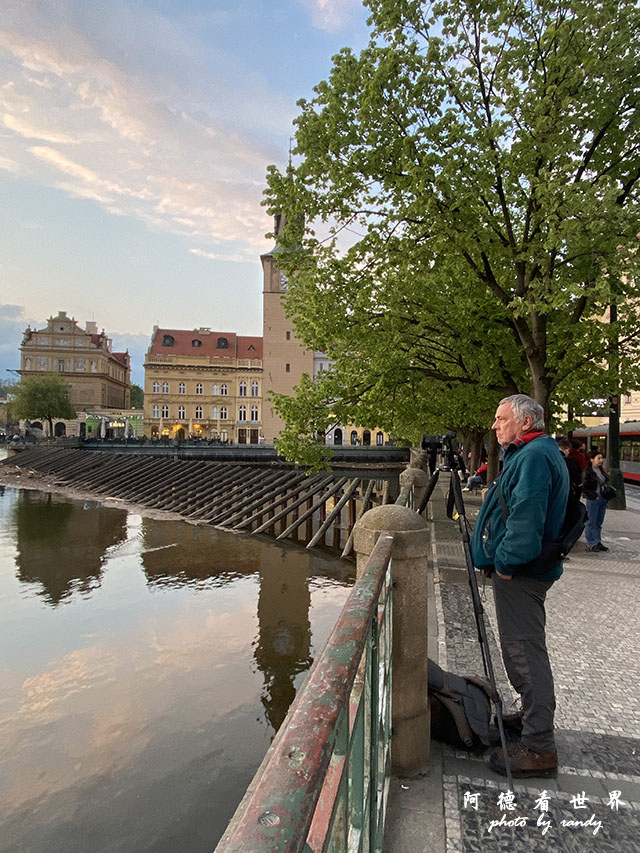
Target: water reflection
{"points": [[61, 545], [282, 648], [135, 719], [208, 557]]}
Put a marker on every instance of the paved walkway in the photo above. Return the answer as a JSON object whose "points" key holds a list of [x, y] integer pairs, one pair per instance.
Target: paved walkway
{"points": [[593, 630]]}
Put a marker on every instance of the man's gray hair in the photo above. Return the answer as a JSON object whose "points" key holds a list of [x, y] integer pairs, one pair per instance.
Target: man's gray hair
{"points": [[522, 406]]}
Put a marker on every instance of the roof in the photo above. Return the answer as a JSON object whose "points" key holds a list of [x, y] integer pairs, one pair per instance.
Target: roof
{"points": [[204, 342]]}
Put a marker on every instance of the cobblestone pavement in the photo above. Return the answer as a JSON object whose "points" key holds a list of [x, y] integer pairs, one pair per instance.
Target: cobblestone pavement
{"points": [[593, 631]]}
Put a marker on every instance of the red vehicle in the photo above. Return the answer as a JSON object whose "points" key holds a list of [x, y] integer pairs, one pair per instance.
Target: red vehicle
{"points": [[598, 437]]}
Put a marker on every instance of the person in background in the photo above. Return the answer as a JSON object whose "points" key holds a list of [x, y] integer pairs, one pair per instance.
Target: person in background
{"points": [[573, 466], [578, 453], [480, 479], [593, 479]]}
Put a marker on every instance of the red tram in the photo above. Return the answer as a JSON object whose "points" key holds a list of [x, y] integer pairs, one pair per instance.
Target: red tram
{"points": [[598, 437]]}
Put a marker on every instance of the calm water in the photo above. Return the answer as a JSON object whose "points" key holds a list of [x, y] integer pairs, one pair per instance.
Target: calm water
{"points": [[145, 666]]}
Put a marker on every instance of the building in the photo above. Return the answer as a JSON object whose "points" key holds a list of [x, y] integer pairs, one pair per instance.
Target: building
{"points": [[99, 379], [203, 384], [286, 358]]}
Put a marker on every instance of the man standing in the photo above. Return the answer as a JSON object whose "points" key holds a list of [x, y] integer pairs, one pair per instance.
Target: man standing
{"points": [[524, 507]]}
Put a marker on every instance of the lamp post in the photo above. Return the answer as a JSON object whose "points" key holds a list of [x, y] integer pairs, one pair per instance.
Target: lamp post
{"points": [[613, 450]]}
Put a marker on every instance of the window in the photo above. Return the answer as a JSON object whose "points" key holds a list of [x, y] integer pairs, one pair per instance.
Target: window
{"points": [[165, 411], [215, 390], [255, 389], [379, 439], [242, 389], [199, 388], [223, 413], [627, 398], [61, 366], [214, 413], [165, 387], [198, 411], [182, 388], [254, 413], [287, 368], [156, 387], [288, 336], [222, 343], [196, 342], [354, 437], [182, 412], [168, 341], [223, 390], [242, 413], [156, 411]]}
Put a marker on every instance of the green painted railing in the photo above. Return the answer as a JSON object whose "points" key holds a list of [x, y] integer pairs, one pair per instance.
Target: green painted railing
{"points": [[323, 784]]}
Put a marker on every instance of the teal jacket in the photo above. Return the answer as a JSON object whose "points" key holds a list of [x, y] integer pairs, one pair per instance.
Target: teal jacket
{"points": [[535, 486]]}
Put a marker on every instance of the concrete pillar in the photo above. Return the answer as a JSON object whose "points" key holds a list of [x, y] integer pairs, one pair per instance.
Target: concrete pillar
{"points": [[410, 742], [417, 478]]}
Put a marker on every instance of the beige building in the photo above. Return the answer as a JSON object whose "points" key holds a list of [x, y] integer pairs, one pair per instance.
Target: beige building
{"points": [[205, 384], [285, 358], [98, 378]]}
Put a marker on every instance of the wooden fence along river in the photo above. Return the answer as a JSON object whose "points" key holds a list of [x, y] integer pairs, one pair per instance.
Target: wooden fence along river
{"points": [[275, 500]]}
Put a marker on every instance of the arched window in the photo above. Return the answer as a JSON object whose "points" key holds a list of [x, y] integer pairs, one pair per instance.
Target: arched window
{"points": [[182, 412], [379, 438], [223, 390], [337, 436], [168, 341], [182, 388], [165, 411], [214, 413], [165, 387], [366, 437], [156, 387], [198, 411], [242, 389], [254, 413], [156, 411], [196, 342], [242, 413], [255, 389], [215, 390], [354, 437], [199, 388], [223, 413], [222, 343]]}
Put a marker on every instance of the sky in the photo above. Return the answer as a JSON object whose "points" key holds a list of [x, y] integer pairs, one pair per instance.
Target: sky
{"points": [[135, 137]]}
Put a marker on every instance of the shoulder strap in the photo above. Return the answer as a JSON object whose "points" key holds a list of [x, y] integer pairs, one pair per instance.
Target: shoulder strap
{"points": [[503, 503]]}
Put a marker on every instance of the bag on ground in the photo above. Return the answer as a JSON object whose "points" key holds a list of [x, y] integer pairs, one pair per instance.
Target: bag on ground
{"points": [[461, 712]]}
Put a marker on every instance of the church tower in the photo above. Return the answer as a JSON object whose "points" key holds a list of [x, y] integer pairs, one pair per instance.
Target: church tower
{"points": [[284, 357]]}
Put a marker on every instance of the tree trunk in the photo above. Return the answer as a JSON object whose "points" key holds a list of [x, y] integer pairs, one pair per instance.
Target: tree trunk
{"points": [[493, 457]]}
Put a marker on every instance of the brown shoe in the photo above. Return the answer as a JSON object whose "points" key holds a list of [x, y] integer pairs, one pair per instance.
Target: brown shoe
{"points": [[526, 762]]}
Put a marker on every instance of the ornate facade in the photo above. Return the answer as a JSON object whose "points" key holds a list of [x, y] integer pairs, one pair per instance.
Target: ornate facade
{"points": [[98, 378], [204, 384]]}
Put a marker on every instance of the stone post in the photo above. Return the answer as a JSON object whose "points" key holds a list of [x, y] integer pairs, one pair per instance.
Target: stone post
{"points": [[410, 742], [417, 478]]}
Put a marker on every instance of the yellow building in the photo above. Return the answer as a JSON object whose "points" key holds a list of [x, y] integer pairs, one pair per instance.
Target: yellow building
{"points": [[204, 384], [98, 378]]}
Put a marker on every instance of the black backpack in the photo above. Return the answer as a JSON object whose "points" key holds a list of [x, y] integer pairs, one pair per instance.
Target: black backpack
{"points": [[575, 518], [460, 710]]}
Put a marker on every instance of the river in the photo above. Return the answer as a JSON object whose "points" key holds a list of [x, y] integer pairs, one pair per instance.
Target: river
{"points": [[145, 666]]}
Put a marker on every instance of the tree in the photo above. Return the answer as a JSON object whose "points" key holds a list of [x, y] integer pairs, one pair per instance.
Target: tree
{"points": [[45, 397], [483, 158], [137, 397]]}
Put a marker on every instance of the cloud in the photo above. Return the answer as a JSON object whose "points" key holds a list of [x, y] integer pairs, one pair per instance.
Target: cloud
{"points": [[332, 15], [181, 145]]}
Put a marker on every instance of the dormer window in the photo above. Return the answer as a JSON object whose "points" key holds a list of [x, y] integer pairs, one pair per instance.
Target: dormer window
{"points": [[196, 342], [252, 348], [223, 343], [168, 341]]}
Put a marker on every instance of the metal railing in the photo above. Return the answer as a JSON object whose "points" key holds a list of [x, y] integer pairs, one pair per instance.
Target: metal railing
{"points": [[323, 784]]}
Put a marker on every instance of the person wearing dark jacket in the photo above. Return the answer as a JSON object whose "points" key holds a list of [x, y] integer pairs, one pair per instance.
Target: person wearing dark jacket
{"points": [[524, 507], [575, 471], [593, 479]]}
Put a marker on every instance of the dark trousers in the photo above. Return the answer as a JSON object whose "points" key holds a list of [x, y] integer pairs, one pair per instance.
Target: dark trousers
{"points": [[521, 623]]}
